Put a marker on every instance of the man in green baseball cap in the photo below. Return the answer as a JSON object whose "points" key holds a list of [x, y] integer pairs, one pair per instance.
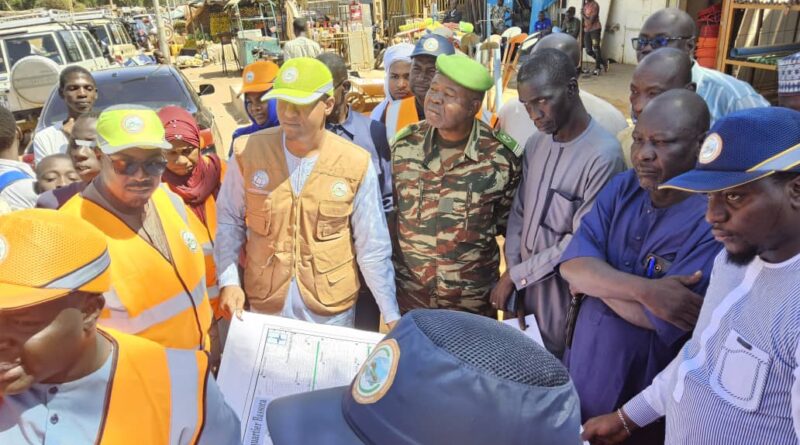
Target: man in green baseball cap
{"points": [[151, 237], [454, 181], [305, 203]]}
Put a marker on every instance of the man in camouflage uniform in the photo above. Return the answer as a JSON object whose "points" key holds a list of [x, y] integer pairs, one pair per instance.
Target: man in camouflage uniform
{"points": [[454, 181]]}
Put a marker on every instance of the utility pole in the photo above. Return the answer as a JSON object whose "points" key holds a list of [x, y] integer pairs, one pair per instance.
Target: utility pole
{"points": [[162, 40]]}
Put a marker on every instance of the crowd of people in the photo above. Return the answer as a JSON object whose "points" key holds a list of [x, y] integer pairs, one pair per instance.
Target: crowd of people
{"points": [[658, 258]]}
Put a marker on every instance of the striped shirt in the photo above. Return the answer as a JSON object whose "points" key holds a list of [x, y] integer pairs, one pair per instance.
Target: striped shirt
{"points": [[724, 94], [737, 380]]}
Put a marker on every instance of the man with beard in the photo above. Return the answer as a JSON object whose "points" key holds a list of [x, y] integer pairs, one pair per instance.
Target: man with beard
{"points": [[82, 141], [77, 88], [642, 256], [566, 164], [149, 234], [737, 380]]}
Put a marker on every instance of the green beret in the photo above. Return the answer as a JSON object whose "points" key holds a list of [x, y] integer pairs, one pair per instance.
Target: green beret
{"points": [[464, 71]]}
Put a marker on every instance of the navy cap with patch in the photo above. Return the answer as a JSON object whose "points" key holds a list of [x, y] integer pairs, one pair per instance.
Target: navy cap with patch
{"points": [[440, 377], [743, 147], [433, 45]]}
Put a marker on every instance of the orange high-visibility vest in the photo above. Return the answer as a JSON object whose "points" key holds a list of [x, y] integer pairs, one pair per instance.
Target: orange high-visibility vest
{"points": [[206, 234], [152, 297], [400, 114], [154, 395]]}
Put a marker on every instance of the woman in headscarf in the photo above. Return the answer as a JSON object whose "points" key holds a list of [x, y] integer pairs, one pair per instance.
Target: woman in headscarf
{"points": [[397, 63], [196, 178], [257, 79]]}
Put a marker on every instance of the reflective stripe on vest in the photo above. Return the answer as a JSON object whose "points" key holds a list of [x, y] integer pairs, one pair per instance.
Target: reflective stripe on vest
{"points": [[164, 301], [154, 395], [400, 114], [119, 319]]}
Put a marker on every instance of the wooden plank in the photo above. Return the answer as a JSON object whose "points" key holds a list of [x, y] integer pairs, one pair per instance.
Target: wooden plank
{"points": [[763, 66]]}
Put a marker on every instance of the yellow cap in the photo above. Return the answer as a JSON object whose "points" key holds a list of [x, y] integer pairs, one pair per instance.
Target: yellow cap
{"points": [[130, 126], [259, 76], [301, 81], [45, 254]]}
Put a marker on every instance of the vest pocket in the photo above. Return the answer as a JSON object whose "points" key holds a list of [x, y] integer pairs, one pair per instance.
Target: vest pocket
{"points": [[336, 279], [258, 222], [332, 221]]}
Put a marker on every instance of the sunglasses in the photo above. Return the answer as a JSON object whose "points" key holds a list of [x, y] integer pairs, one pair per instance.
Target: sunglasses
{"points": [[655, 42], [151, 167]]}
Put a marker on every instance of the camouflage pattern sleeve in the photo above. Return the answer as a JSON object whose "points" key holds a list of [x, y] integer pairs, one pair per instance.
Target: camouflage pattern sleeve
{"points": [[448, 216]]}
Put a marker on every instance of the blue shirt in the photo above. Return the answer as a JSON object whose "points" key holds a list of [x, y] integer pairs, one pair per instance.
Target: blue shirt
{"points": [[611, 360], [724, 94], [371, 136], [543, 25]]}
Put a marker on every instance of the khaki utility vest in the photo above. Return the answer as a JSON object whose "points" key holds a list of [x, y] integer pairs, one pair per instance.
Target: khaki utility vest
{"points": [[307, 236]]}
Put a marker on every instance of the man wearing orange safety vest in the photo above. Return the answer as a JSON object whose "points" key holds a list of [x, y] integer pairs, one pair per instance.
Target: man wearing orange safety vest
{"points": [[63, 380], [423, 67], [158, 273]]}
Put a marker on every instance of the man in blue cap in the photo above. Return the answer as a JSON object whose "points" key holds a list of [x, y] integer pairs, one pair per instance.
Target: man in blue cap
{"points": [[440, 377], [423, 66], [737, 380]]}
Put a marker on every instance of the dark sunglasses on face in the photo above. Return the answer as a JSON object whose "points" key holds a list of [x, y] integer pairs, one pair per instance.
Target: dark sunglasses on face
{"points": [[655, 42], [151, 167]]}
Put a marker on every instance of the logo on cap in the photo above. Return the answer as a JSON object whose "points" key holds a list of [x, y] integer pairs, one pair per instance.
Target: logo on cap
{"points": [[431, 45], [132, 124], [260, 179], [189, 240], [290, 75], [711, 149], [249, 77], [339, 189], [377, 373]]}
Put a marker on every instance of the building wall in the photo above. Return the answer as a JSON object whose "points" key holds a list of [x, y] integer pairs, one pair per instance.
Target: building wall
{"points": [[625, 19]]}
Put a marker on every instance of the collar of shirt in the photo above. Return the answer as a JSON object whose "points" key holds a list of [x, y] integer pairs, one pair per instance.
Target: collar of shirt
{"points": [[342, 128], [433, 159]]}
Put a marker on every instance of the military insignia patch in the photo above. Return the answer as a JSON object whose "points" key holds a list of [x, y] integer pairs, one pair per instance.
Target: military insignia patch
{"points": [[711, 149], [339, 189], [190, 240], [377, 373], [509, 142]]}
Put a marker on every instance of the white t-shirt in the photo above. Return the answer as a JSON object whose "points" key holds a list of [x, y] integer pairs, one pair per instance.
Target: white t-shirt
{"points": [[19, 194], [49, 141], [515, 121]]}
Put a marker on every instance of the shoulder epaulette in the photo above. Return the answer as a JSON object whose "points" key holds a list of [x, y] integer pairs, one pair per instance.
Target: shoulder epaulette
{"points": [[509, 142], [403, 133]]}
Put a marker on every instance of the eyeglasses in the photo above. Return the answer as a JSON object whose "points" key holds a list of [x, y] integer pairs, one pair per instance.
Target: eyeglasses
{"points": [[655, 42], [151, 167]]}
